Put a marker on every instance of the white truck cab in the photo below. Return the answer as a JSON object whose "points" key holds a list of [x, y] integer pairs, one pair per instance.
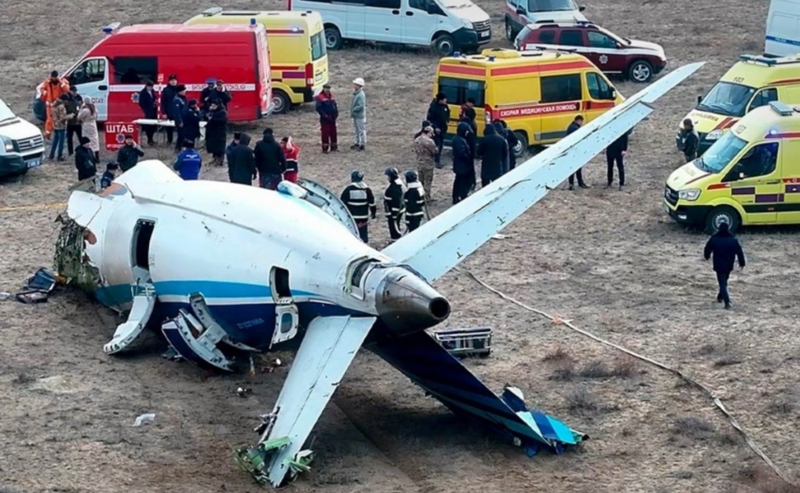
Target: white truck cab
{"points": [[21, 144], [446, 25], [783, 28]]}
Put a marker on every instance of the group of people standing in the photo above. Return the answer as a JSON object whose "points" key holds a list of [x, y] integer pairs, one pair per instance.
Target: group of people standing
{"points": [[269, 161]]}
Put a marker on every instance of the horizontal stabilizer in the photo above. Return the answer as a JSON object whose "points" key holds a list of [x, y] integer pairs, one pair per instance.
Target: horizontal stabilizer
{"points": [[419, 357]]}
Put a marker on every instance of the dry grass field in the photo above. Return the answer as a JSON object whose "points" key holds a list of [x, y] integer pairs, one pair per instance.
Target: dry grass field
{"points": [[608, 260]]}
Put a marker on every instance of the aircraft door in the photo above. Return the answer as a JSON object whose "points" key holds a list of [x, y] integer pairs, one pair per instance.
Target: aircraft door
{"points": [[287, 316], [141, 258]]}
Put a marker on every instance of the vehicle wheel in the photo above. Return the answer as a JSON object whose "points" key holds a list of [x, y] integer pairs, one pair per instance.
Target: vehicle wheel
{"points": [[719, 215], [444, 45], [510, 32], [281, 102], [333, 38], [522, 148], [640, 71]]}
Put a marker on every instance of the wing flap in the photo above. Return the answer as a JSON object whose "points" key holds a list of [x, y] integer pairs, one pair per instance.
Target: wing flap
{"points": [[329, 346]]}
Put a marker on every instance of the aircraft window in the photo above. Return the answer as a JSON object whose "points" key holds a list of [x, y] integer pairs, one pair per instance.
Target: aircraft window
{"points": [[142, 237], [287, 323], [359, 271], [280, 279]]}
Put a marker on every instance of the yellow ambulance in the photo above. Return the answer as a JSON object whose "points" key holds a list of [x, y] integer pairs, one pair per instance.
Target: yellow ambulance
{"points": [[297, 52], [751, 175], [538, 93], [752, 82]]}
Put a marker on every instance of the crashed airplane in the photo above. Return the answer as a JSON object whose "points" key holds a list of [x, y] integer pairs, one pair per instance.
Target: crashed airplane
{"points": [[208, 263]]}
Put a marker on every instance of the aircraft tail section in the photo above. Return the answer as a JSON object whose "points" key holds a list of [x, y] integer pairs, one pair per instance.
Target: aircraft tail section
{"points": [[419, 357]]}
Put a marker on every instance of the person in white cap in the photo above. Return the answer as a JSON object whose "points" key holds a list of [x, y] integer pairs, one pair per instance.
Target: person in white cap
{"points": [[358, 111]]}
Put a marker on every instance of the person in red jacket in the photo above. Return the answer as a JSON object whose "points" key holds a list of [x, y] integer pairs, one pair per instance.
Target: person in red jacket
{"points": [[292, 152]]}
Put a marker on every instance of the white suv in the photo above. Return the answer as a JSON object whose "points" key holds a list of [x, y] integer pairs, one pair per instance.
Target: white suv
{"points": [[21, 144]]}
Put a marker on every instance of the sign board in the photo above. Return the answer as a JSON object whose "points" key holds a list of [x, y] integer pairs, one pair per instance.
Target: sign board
{"points": [[115, 134]]}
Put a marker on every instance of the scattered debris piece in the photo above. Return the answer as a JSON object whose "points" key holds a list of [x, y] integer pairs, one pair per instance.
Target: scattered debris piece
{"points": [[144, 419], [171, 355], [243, 392], [30, 297], [38, 287], [466, 342], [4, 295], [277, 362], [60, 384]]}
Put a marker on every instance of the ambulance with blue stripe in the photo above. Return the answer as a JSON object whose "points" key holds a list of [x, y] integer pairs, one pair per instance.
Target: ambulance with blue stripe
{"points": [[750, 176]]}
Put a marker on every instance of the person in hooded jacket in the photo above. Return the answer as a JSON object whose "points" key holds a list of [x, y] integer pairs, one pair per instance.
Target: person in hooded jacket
{"points": [[84, 160], [725, 248], [394, 202], [270, 161], [229, 152], [463, 163], [216, 131], [414, 200], [493, 151], [242, 162], [502, 128], [439, 117], [189, 162], [191, 117], [291, 152], [360, 201]]}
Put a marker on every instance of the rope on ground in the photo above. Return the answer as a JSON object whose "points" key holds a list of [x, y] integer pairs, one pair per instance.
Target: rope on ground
{"points": [[34, 207], [705, 388]]}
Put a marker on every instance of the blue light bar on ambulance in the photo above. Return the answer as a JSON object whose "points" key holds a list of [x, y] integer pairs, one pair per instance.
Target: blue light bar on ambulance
{"points": [[111, 27], [758, 59], [781, 108]]}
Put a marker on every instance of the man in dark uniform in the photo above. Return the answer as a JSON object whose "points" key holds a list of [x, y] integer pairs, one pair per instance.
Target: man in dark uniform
{"points": [[691, 141], [205, 94], [176, 108], [439, 116], [573, 127], [360, 201], [147, 102], [393, 202], [725, 248], [242, 162], [615, 153], [493, 151], [414, 200], [168, 93]]}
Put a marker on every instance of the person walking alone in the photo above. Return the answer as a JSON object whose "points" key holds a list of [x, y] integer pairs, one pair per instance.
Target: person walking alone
{"points": [[328, 111], [426, 151], [725, 248], [691, 141], [615, 153], [573, 127], [358, 112]]}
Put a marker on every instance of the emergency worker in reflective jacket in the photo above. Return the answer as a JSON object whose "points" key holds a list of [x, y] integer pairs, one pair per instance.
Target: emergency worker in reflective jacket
{"points": [[394, 202]]}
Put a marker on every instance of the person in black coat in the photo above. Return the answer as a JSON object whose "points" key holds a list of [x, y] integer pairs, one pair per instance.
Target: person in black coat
{"points": [[229, 152], [242, 162], [175, 114], [573, 127], [511, 139], [129, 154], [439, 116], [270, 161], [493, 151], [168, 94], [190, 118], [85, 160], [147, 102], [216, 132], [472, 139], [463, 163], [725, 248], [615, 153]]}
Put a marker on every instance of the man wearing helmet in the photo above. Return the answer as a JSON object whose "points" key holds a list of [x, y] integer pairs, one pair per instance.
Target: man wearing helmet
{"points": [[360, 201], [414, 201], [393, 202]]}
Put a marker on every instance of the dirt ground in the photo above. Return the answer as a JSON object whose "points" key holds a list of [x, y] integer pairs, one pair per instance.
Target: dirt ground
{"points": [[609, 260]]}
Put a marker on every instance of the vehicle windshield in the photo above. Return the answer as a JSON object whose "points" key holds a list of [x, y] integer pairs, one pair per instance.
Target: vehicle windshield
{"points": [[551, 5], [727, 98], [719, 155], [5, 112]]}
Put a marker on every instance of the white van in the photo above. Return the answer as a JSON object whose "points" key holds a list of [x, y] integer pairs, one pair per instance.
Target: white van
{"points": [[21, 144], [783, 28], [446, 25]]}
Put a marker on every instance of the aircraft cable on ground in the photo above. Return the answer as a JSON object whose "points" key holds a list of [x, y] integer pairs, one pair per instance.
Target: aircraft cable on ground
{"points": [[703, 387]]}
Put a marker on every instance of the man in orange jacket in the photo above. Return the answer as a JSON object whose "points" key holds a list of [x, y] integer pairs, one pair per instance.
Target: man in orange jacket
{"points": [[52, 89]]}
